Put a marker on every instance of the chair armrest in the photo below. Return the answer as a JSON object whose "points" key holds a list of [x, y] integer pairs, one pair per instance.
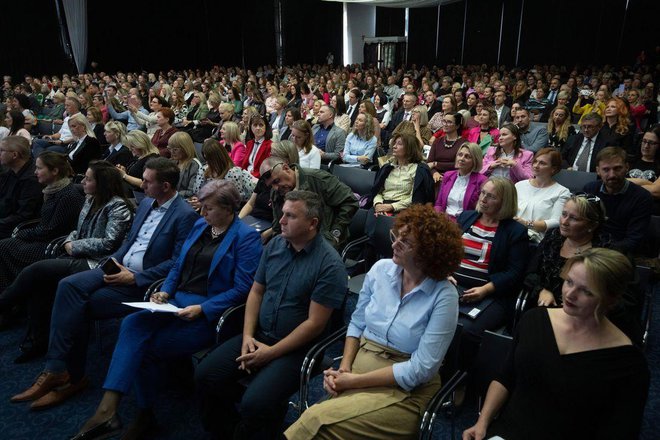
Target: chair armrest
{"points": [[54, 248], [310, 360], [232, 316], [351, 245], [153, 288], [435, 404], [24, 225]]}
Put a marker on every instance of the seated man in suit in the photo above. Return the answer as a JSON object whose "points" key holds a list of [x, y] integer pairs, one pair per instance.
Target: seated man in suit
{"points": [[533, 138], [328, 137], [628, 206], [408, 103], [299, 281], [580, 151], [161, 225], [339, 203], [502, 110], [20, 192]]}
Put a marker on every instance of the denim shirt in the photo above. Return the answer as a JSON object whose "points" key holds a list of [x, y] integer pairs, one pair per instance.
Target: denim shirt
{"points": [[422, 323]]}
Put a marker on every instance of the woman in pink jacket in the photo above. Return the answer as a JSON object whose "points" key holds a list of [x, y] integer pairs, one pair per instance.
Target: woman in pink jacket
{"points": [[508, 158]]}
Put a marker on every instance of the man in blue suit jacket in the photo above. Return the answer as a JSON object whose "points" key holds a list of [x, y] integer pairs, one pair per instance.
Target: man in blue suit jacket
{"points": [[161, 225]]}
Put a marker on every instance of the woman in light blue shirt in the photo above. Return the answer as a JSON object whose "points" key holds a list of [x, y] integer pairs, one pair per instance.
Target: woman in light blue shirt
{"points": [[360, 143], [399, 333]]}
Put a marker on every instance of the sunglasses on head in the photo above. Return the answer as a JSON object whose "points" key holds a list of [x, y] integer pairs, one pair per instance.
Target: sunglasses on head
{"points": [[268, 174]]}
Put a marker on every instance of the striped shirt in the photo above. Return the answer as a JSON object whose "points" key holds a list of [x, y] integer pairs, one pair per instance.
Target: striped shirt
{"points": [[477, 243]]}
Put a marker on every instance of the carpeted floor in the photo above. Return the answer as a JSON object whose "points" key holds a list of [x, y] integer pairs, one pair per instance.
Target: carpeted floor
{"points": [[177, 411]]}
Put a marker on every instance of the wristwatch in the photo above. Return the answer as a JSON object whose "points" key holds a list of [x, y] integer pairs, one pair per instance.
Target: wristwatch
{"points": [[530, 224], [336, 233]]}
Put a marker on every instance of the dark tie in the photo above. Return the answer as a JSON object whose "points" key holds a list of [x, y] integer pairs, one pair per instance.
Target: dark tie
{"points": [[583, 160]]}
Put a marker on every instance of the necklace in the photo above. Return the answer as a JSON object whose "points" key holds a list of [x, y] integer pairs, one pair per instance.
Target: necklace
{"points": [[215, 233], [578, 249], [449, 144]]}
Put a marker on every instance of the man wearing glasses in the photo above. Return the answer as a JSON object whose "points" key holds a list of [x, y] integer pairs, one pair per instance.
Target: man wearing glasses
{"points": [[580, 151], [339, 203]]}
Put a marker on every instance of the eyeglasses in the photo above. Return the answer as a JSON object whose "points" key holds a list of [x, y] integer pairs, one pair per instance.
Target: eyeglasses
{"points": [[487, 196], [650, 143], [268, 174], [174, 148], [588, 197], [395, 236]]}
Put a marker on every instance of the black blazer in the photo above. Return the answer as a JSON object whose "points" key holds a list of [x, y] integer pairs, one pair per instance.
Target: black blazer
{"points": [[505, 116], [122, 157], [573, 144], [435, 108], [396, 120], [89, 150]]}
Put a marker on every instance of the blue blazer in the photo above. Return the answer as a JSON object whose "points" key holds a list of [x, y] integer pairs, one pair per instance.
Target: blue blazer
{"points": [[231, 273], [508, 255], [165, 243]]}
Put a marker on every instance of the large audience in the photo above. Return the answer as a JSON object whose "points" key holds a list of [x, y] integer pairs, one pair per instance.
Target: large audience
{"points": [[219, 186]]}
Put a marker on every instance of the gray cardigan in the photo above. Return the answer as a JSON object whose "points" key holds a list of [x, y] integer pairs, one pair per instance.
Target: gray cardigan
{"points": [[101, 233]]}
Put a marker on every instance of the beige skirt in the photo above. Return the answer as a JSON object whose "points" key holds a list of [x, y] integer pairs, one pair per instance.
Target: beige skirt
{"points": [[374, 413]]}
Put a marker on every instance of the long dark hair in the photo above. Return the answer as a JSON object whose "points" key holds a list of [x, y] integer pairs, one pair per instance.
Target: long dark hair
{"points": [[17, 121], [108, 184], [516, 146], [218, 161]]}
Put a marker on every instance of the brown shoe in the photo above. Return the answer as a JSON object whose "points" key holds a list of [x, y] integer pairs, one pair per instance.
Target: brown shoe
{"points": [[44, 383], [59, 395]]}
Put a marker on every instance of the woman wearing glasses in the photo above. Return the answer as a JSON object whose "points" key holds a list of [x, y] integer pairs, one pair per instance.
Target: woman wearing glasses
{"points": [[645, 170], [393, 348], [571, 373], [492, 270], [183, 153], [442, 155], [579, 229]]}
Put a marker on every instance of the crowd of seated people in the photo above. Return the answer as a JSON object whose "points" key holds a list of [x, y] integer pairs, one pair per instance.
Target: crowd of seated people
{"points": [[481, 145]]}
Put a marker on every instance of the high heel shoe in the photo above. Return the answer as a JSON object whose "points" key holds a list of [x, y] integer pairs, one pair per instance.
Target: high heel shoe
{"points": [[103, 430]]}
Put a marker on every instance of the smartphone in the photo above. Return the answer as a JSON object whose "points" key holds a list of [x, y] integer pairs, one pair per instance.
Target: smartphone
{"points": [[110, 267]]}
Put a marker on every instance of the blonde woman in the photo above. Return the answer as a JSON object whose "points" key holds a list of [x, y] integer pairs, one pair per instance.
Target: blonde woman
{"points": [[182, 151], [117, 152], [230, 136], [559, 127], [85, 147], [142, 149], [360, 144]]}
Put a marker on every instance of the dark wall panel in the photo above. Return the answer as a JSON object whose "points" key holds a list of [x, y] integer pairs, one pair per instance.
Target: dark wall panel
{"points": [[390, 22], [421, 35], [311, 30], [451, 33]]}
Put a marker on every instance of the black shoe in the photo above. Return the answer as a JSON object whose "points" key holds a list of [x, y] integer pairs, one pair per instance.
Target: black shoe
{"points": [[30, 353], [104, 430]]}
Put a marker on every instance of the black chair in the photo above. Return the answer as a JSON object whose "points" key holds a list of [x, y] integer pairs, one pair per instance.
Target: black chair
{"points": [[492, 354], [351, 253], [45, 127], [359, 180], [644, 306], [382, 244], [55, 248], [24, 225], [574, 180]]}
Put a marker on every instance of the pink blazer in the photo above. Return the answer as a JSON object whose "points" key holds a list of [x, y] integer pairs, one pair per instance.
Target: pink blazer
{"points": [[473, 135], [471, 192], [238, 153], [522, 170]]}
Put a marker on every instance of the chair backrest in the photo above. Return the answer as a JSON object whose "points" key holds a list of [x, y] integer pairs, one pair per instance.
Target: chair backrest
{"points": [[360, 181], [654, 236], [382, 241], [492, 353], [45, 127], [574, 180]]}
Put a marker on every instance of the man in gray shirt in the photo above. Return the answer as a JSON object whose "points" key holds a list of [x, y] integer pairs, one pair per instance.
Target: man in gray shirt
{"points": [[299, 282], [534, 137]]}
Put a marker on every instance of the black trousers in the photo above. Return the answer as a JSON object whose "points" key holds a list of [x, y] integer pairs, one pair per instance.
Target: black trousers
{"points": [[263, 404], [36, 286]]}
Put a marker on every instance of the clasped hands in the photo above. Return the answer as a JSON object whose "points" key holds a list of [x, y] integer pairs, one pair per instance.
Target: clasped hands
{"points": [[503, 163], [336, 381], [254, 354]]}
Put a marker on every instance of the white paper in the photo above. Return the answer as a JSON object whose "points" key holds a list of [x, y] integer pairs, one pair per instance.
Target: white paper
{"points": [[153, 307]]}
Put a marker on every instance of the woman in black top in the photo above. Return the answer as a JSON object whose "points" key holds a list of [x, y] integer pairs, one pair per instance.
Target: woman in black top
{"points": [[571, 373], [143, 150]]}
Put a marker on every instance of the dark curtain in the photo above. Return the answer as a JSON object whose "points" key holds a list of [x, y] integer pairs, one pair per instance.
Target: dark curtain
{"points": [[390, 22], [421, 43]]}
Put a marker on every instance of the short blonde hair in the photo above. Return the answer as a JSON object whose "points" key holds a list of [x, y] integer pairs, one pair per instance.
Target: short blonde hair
{"points": [[507, 192], [477, 156], [118, 129], [423, 115], [232, 132], [285, 150]]}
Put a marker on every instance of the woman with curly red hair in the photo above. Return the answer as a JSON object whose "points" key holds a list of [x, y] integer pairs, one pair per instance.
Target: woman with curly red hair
{"points": [[399, 333], [618, 126]]}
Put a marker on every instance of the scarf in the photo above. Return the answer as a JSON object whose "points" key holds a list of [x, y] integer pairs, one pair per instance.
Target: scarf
{"points": [[55, 187]]}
